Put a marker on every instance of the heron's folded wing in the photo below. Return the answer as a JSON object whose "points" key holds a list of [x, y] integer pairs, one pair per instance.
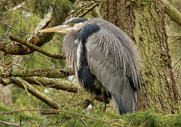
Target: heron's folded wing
{"points": [[111, 62], [103, 67]]}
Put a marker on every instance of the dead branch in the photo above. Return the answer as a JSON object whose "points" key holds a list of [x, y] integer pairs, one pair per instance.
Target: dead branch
{"points": [[17, 7], [83, 8], [58, 84], [49, 73], [37, 40], [18, 49], [14, 49], [5, 81], [89, 10], [25, 85], [9, 124], [36, 48], [172, 12], [53, 83]]}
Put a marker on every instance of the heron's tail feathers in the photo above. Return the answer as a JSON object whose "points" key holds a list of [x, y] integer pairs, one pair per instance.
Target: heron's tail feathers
{"points": [[125, 102]]}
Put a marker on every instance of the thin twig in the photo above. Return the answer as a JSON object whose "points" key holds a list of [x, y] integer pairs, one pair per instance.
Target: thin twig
{"points": [[82, 8], [176, 63], [88, 10], [9, 124], [17, 7], [41, 58], [12, 22], [83, 120], [12, 28], [177, 38], [28, 60], [177, 77]]}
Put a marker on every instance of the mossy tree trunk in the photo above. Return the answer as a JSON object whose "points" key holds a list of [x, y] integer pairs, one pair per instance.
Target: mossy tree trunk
{"points": [[143, 21]]}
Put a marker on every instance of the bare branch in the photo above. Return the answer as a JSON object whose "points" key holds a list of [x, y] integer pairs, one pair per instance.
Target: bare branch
{"points": [[82, 7], [17, 49], [176, 63], [89, 10], [172, 12], [9, 124], [17, 7], [53, 83], [59, 84], [14, 49], [5, 81], [6, 24], [36, 48], [25, 85], [49, 73]]}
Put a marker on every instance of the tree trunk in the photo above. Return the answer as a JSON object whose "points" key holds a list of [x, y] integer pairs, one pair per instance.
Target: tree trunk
{"points": [[5, 95], [144, 23]]}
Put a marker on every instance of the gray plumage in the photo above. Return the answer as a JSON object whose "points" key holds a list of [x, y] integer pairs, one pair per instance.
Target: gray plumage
{"points": [[105, 61]]}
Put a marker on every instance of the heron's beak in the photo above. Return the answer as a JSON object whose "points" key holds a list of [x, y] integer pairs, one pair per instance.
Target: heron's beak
{"points": [[57, 29]]}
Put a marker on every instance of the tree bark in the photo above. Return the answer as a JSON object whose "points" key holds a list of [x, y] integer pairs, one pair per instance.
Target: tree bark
{"points": [[5, 95], [144, 23]]}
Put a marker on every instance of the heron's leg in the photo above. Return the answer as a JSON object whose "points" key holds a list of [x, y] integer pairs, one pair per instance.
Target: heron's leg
{"points": [[105, 101]]}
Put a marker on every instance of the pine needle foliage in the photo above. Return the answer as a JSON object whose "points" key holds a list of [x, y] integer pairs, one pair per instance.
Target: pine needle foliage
{"points": [[78, 117]]}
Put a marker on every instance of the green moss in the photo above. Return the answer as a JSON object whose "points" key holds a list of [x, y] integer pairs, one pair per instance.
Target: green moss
{"points": [[3, 107], [148, 119], [76, 116], [138, 3]]}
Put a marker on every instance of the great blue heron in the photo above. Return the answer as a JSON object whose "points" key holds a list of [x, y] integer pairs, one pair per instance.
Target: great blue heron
{"points": [[104, 60]]}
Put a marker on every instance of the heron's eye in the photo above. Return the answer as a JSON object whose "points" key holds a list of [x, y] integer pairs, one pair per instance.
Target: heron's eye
{"points": [[71, 24]]}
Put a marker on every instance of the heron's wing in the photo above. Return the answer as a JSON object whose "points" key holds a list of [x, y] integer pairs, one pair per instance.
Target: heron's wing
{"points": [[111, 63], [107, 49]]}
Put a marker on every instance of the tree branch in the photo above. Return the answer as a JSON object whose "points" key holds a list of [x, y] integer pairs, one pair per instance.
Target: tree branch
{"points": [[14, 49], [50, 21], [49, 73], [9, 124], [58, 84], [25, 85], [89, 10], [172, 12], [53, 83], [15, 8], [36, 48]]}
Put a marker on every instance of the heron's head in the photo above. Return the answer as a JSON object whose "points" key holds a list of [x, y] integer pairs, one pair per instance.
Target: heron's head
{"points": [[72, 24]]}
